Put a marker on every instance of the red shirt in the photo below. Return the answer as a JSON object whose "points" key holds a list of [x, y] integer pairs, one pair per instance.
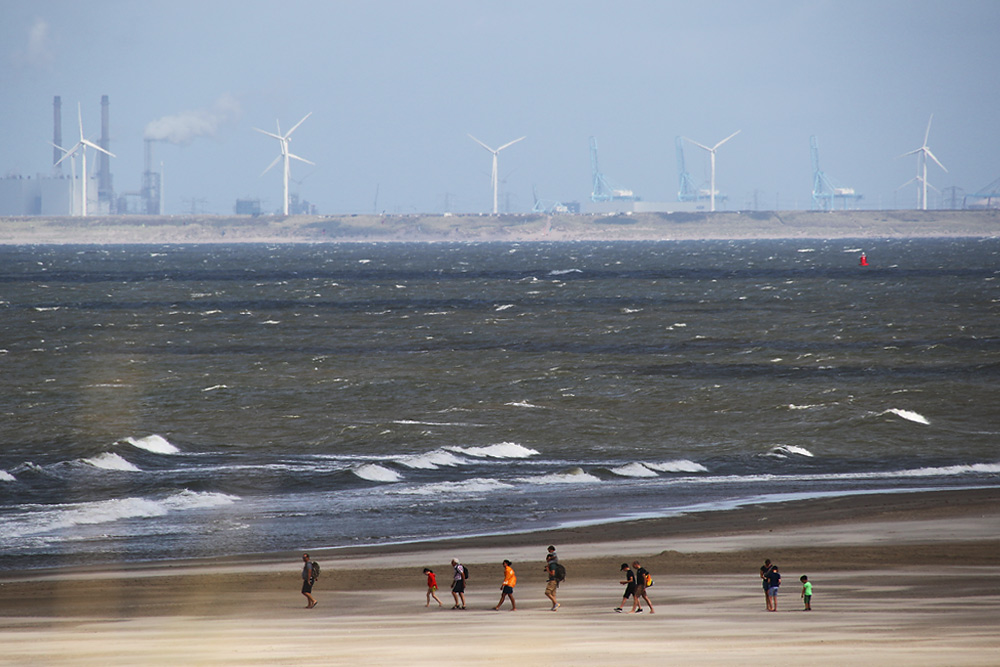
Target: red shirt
{"points": [[431, 580]]}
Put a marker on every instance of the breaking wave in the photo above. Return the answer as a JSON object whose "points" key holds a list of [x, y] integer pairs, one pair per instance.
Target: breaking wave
{"points": [[376, 473], [153, 443], [504, 450], [111, 461], [909, 415]]}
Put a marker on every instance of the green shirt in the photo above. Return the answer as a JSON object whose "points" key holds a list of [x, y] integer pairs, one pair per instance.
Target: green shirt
{"points": [[807, 588]]}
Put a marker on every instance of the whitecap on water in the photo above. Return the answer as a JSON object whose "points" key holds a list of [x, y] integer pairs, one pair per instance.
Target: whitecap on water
{"points": [[153, 443], [504, 450], [680, 465], [634, 470], [784, 451], [376, 473], [909, 415], [6, 476], [111, 461]]}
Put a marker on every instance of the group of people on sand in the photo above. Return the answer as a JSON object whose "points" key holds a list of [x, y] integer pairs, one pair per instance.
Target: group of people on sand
{"points": [[553, 571], [636, 581], [770, 578]]}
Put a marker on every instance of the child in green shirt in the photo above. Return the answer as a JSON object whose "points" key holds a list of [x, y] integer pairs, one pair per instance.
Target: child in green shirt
{"points": [[807, 592]]}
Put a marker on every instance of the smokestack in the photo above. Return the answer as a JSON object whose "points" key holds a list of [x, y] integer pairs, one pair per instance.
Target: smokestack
{"points": [[104, 193], [57, 129]]}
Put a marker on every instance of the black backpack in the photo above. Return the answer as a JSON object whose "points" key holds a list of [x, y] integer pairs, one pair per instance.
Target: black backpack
{"points": [[559, 570], [465, 569], [314, 572]]}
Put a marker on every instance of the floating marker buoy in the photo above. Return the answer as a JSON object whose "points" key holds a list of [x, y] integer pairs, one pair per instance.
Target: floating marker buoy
{"points": [[864, 259]]}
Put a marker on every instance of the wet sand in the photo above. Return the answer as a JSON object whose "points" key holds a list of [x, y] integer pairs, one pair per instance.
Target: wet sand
{"points": [[899, 579]]}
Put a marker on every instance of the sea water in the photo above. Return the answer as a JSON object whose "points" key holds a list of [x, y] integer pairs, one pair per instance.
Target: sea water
{"points": [[181, 401]]}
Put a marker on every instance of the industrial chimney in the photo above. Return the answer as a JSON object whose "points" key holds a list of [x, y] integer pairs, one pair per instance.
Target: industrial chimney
{"points": [[56, 130], [105, 193]]}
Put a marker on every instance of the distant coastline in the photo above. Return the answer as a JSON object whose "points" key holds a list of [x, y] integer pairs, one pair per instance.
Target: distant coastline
{"points": [[188, 229]]}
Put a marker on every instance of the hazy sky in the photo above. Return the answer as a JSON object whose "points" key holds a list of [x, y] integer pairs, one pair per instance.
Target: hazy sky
{"points": [[395, 86]]}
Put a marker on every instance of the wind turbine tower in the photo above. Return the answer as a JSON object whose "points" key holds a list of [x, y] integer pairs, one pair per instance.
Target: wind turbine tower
{"points": [[285, 155], [711, 153], [81, 146], [923, 153], [495, 152]]}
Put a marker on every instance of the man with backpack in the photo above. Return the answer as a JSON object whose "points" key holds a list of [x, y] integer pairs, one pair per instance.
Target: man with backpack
{"points": [[556, 573], [310, 571], [458, 584], [642, 580]]}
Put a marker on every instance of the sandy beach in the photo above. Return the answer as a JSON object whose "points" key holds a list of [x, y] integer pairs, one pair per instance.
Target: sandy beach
{"points": [[527, 227], [899, 579]]}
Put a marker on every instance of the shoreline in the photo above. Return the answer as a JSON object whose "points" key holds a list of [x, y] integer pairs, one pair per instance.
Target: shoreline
{"points": [[907, 579], [203, 229]]}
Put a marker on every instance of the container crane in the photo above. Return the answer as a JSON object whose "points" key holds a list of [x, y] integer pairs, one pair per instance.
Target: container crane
{"points": [[825, 194], [603, 190]]}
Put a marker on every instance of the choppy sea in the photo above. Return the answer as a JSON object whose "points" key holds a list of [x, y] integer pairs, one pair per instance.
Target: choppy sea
{"points": [[181, 401]]}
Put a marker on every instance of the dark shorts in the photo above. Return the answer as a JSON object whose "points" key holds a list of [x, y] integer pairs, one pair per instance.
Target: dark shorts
{"points": [[307, 586], [458, 586], [507, 590], [629, 591]]}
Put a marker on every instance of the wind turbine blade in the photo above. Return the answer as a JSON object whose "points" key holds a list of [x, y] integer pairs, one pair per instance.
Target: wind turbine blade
{"points": [[295, 127], [87, 142], [68, 153], [927, 134], [933, 157], [271, 166], [300, 159], [270, 134], [481, 144], [726, 139], [510, 143], [915, 150], [79, 118], [55, 145], [697, 144]]}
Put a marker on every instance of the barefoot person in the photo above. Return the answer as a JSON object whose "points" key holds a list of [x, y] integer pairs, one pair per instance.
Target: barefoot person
{"points": [[773, 581], [507, 587], [552, 583], [641, 581], [432, 586], [458, 585], [307, 581], [765, 572]]}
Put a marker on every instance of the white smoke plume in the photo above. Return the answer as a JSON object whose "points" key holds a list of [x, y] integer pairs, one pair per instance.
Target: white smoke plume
{"points": [[186, 126]]}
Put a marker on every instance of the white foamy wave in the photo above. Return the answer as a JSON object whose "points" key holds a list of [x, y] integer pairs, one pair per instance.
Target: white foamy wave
{"points": [[59, 517], [563, 272], [153, 443], [988, 468], [431, 460], [6, 476], [784, 451], [376, 473], [806, 250], [680, 465], [504, 450], [214, 387], [909, 415], [523, 404], [571, 476], [809, 406], [504, 307], [111, 461], [634, 470], [468, 486]]}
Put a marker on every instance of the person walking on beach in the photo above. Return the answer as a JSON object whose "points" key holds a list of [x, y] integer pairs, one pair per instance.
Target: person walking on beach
{"points": [[774, 581], [552, 583], [765, 571], [432, 586], [629, 582], [642, 579], [507, 587], [458, 585], [807, 592], [307, 581]]}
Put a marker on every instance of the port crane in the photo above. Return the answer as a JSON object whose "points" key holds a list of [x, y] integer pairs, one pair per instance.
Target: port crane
{"points": [[825, 193]]}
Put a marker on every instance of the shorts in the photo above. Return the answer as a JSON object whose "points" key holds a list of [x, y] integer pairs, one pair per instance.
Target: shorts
{"points": [[629, 591], [307, 586], [550, 587], [772, 592], [808, 598], [507, 590], [458, 586]]}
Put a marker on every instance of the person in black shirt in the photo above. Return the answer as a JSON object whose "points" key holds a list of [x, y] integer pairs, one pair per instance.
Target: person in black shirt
{"points": [[629, 588]]}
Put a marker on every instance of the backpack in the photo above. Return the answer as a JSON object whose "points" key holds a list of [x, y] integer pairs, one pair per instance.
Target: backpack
{"points": [[559, 571], [314, 572], [649, 580], [465, 570]]}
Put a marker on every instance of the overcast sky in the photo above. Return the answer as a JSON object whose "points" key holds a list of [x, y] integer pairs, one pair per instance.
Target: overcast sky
{"points": [[395, 87]]}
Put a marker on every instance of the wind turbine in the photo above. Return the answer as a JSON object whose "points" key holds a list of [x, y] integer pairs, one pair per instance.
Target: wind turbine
{"points": [[285, 155], [924, 153], [495, 153], [711, 152], [82, 146]]}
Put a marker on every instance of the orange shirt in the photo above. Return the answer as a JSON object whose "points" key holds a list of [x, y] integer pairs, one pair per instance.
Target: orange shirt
{"points": [[509, 578]]}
